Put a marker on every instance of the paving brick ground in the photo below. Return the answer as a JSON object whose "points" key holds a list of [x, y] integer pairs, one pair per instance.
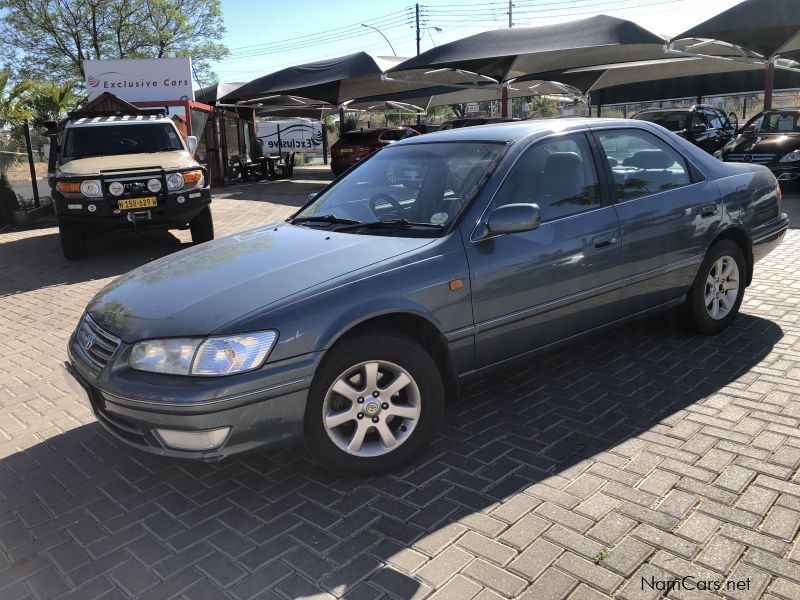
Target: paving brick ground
{"points": [[641, 455]]}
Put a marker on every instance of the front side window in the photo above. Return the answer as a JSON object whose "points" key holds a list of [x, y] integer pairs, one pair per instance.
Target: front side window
{"points": [[422, 183], [110, 140], [557, 174], [641, 163]]}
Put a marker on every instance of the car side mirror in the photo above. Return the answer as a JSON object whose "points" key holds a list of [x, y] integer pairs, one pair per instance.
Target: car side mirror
{"points": [[514, 218], [698, 129], [191, 142]]}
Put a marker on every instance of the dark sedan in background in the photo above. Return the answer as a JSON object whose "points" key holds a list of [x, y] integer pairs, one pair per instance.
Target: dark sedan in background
{"points": [[771, 138], [705, 126], [351, 324], [355, 146]]}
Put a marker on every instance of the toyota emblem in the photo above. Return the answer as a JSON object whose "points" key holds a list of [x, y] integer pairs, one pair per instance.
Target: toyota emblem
{"points": [[748, 158], [90, 340]]}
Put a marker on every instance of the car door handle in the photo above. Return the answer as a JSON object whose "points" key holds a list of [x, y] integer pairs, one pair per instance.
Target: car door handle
{"points": [[604, 240], [708, 210]]}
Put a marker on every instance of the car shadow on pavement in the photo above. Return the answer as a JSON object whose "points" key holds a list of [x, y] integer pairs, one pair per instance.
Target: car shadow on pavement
{"points": [[95, 516], [32, 259]]}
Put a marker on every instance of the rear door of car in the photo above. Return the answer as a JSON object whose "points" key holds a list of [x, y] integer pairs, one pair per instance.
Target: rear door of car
{"points": [[533, 288], [667, 211]]}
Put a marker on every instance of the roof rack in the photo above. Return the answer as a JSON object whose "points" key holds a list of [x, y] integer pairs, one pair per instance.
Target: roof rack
{"points": [[160, 111]]}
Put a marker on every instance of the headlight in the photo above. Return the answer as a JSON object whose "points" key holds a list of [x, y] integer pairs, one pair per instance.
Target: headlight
{"points": [[718, 154], [91, 188], [219, 355], [116, 188], [154, 185], [174, 181], [791, 157]]}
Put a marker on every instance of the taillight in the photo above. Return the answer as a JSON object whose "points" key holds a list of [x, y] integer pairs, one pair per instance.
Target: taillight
{"points": [[778, 192]]}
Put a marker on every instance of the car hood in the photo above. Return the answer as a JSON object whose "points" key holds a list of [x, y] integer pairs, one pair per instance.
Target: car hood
{"points": [[94, 165], [761, 143], [198, 290]]}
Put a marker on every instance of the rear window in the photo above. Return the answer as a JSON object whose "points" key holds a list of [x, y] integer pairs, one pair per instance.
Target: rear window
{"points": [[671, 120], [355, 137]]}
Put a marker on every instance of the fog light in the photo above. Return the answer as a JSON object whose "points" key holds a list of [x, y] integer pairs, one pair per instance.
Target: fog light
{"points": [[194, 440]]}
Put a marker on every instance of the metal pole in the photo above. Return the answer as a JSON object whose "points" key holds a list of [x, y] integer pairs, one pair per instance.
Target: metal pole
{"points": [[384, 37], [510, 20], [504, 101], [324, 141], [418, 36], [769, 84], [341, 120], [26, 129]]}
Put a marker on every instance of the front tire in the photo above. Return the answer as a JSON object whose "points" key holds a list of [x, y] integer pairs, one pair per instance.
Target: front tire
{"points": [[375, 403], [202, 226], [73, 242], [718, 289]]}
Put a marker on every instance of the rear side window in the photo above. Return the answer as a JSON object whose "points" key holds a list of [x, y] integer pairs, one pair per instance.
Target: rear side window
{"points": [[558, 174], [641, 163]]}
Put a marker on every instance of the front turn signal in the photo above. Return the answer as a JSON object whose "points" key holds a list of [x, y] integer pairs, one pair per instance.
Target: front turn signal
{"points": [[190, 177], [69, 187]]}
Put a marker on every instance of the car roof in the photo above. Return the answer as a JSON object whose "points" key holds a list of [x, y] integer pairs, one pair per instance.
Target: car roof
{"points": [[513, 130], [117, 120]]}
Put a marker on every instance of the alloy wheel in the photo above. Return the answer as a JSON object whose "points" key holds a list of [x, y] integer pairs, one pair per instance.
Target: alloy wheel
{"points": [[372, 408], [722, 287]]}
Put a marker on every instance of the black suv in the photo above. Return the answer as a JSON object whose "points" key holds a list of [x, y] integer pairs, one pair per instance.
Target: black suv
{"points": [[705, 126]]}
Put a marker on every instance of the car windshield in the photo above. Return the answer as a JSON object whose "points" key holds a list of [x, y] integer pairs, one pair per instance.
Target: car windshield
{"points": [[426, 184], [775, 122], [105, 140], [671, 120]]}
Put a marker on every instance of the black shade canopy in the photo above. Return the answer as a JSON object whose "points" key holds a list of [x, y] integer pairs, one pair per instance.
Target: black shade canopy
{"points": [[334, 80], [767, 27], [507, 54]]}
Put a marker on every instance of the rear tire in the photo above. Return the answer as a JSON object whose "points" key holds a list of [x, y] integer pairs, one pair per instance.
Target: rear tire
{"points": [[395, 425], [718, 289], [202, 226], [73, 242]]}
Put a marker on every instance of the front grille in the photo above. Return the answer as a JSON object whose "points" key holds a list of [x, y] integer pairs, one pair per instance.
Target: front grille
{"points": [[95, 343], [759, 159]]}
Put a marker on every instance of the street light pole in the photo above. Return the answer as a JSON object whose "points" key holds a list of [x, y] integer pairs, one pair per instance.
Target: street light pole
{"points": [[384, 37], [418, 36]]}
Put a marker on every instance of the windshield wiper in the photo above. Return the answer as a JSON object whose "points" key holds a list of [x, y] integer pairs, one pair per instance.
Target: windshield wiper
{"points": [[326, 219], [392, 223]]}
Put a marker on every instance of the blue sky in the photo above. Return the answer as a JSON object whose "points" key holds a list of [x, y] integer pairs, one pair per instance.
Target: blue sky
{"points": [[267, 36]]}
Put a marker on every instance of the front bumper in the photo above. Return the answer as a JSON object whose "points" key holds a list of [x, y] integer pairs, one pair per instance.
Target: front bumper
{"points": [[264, 408], [174, 209]]}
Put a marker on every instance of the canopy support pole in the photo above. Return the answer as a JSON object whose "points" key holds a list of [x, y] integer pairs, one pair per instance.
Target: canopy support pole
{"points": [[504, 100], [769, 84], [341, 119]]}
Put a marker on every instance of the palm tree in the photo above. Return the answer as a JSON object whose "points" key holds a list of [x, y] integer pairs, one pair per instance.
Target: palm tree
{"points": [[14, 112], [542, 106], [52, 101]]}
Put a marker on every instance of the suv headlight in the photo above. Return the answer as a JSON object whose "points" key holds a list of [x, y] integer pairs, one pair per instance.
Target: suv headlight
{"points": [[218, 355], [174, 181], [791, 157], [91, 188]]}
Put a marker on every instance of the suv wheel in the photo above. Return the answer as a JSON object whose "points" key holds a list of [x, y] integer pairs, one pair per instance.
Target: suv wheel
{"points": [[375, 403], [202, 226], [718, 289], [73, 242]]}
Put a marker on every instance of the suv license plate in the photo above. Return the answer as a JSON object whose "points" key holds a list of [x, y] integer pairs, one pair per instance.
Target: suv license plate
{"points": [[134, 203]]}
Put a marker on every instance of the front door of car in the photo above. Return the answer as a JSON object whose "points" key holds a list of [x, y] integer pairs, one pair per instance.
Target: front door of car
{"points": [[667, 212], [701, 132], [536, 287]]}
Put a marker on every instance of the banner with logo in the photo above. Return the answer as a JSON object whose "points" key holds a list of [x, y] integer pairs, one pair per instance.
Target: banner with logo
{"points": [[140, 80], [290, 135]]}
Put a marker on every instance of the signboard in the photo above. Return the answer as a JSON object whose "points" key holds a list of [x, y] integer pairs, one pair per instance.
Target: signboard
{"points": [[140, 80], [296, 135], [472, 107]]}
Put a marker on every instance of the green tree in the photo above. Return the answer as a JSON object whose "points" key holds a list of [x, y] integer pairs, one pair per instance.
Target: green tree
{"points": [[542, 106], [50, 39], [51, 101], [14, 111]]}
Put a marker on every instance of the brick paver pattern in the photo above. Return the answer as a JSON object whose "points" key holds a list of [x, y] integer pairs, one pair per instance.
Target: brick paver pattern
{"points": [[646, 453]]}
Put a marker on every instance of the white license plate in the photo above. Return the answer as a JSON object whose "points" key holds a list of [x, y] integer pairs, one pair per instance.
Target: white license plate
{"points": [[75, 386]]}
